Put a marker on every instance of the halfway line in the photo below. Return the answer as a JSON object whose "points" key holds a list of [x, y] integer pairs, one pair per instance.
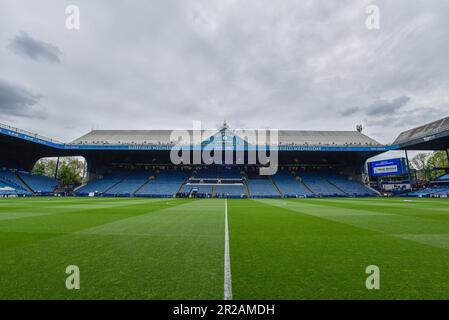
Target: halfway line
{"points": [[227, 260]]}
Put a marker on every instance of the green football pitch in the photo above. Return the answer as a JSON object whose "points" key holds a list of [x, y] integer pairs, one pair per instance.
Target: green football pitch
{"points": [[175, 248]]}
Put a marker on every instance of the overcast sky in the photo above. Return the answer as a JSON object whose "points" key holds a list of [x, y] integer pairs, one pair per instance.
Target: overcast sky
{"points": [[142, 64]]}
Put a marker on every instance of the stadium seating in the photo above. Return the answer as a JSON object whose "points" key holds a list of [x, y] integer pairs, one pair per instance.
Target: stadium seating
{"points": [[444, 177], [102, 185], [289, 185], [223, 182], [7, 190], [319, 185], [39, 184], [10, 180], [352, 188], [261, 186], [166, 184], [130, 184]]}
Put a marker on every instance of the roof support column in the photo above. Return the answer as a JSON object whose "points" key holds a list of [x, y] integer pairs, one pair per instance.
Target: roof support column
{"points": [[408, 169], [57, 168]]}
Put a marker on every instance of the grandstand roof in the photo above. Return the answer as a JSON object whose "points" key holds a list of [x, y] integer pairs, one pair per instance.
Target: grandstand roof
{"points": [[423, 131], [286, 137], [431, 136]]}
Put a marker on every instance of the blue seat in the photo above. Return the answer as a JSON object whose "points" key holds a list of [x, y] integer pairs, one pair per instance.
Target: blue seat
{"points": [[261, 186], [38, 183], [289, 185]]}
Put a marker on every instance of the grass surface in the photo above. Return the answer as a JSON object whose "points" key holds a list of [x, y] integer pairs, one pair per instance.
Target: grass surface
{"points": [[174, 248]]}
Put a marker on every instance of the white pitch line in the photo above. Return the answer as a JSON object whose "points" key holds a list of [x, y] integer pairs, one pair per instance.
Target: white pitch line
{"points": [[227, 260]]}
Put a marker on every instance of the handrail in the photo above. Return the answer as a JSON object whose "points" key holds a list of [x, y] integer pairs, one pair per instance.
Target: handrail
{"points": [[35, 135]]}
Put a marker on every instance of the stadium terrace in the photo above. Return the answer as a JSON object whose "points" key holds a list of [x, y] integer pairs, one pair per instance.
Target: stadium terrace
{"points": [[139, 163]]}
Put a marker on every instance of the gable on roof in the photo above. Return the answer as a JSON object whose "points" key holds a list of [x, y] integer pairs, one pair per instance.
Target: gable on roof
{"points": [[224, 137]]}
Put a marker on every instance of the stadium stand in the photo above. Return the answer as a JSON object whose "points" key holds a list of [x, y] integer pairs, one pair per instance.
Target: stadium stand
{"points": [[261, 186], [319, 185], [10, 180], [165, 184], [306, 154], [223, 182], [101, 185], [39, 184], [290, 185], [129, 185], [7, 190], [350, 187]]}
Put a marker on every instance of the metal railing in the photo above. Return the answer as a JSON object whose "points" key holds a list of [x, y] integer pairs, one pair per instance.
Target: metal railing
{"points": [[28, 133]]}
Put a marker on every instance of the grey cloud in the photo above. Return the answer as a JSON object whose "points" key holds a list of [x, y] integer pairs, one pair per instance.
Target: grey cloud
{"points": [[392, 124], [18, 101], [26, 46], [385, 107], [350, 111], [380, 107]]}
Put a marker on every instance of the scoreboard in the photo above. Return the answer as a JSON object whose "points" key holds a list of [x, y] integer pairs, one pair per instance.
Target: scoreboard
{"points": [[387, 167]]}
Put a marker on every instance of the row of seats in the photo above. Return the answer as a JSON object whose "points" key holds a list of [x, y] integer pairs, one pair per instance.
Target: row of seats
{"points": [[290, 185], [320, 186], [136, 183], [130, 184], [164, 184], [170, 182], [8, 190], [9, 178], [38, 183], [16, 183], [352, 188], [261, 187], [102, 184]]}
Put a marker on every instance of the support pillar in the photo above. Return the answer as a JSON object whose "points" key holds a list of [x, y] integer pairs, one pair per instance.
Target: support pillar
{"points": [[57, 168], [408, 170]]}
